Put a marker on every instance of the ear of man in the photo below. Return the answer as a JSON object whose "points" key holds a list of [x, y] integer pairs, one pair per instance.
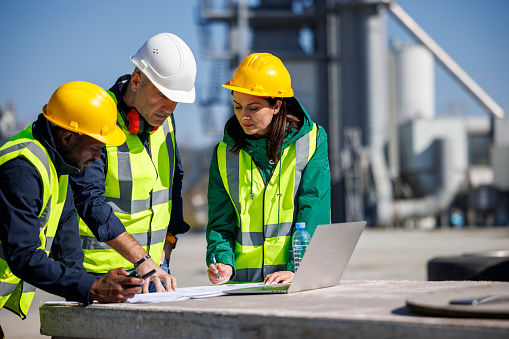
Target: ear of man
{"points": [[64, 139], [67, 138], [136, 81]]}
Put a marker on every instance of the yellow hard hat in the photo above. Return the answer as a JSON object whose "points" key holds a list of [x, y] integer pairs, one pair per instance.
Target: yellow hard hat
{"points": [[263, 75], [85, 108]]}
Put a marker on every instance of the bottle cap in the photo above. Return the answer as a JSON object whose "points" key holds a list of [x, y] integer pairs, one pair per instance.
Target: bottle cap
{"points": [[300, 225]]}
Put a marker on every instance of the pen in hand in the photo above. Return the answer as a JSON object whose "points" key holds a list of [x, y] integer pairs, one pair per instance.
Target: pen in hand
{"points": [[213, 258]]}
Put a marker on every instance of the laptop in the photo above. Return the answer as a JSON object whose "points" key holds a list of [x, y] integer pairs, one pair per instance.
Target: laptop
{"points": [[324, 261]]}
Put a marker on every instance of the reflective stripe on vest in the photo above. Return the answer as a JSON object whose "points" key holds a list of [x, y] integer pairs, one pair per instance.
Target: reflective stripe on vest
{"points": [[264, 219], [139, 190], [15, 294]]}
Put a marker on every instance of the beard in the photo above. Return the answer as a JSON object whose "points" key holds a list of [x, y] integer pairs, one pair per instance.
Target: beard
{"points": [[68, 154]]}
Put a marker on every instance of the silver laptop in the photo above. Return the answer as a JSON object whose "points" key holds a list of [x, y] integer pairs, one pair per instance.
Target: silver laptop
{"points": [[324, 262]]}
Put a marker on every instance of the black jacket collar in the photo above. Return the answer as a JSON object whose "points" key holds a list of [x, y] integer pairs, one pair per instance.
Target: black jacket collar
{"points": [[42, 132]]}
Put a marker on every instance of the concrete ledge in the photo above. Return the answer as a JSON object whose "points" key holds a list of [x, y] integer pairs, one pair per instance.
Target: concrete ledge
{"points": [[353, 309]]}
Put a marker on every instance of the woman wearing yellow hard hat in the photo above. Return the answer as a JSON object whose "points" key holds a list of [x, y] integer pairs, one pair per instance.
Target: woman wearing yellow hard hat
{"points": [[270, 171]]}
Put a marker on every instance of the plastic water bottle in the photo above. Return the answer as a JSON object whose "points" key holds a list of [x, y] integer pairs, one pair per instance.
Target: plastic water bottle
{"points": [[300, 241]]}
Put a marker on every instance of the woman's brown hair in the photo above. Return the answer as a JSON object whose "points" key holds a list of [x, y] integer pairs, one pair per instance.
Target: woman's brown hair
{"points": [[281, 123]]}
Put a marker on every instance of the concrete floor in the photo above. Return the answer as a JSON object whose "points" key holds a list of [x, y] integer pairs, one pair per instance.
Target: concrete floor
{"points": [[379, 255]]}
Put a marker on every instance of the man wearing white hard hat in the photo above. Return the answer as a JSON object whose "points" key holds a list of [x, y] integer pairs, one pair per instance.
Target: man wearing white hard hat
{"points": [[129, 201]]}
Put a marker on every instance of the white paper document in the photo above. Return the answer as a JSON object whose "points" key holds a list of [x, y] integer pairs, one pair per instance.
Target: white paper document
{"points": [[185, 293]]}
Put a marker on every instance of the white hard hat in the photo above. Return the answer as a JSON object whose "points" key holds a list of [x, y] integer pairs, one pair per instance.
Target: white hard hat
{"points": [[169, 63]]}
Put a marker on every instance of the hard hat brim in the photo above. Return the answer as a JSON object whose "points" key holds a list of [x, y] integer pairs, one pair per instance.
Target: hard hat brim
{"points": [[256, 94], [186, 97], [116, 138], [177, 96]]}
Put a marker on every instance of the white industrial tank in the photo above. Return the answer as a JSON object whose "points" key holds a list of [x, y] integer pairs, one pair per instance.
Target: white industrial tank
{"points": [[415, 82]]}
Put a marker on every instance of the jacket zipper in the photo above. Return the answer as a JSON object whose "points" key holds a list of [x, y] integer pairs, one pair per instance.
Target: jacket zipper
{"points": [[151, 199], [263, 215]]}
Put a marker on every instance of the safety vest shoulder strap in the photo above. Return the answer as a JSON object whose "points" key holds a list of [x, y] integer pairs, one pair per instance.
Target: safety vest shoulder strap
{"points": [[16, 294], [25, 146]]}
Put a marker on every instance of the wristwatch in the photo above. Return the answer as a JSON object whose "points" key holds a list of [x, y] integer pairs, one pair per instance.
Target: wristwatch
{"points": [[171, 239]]}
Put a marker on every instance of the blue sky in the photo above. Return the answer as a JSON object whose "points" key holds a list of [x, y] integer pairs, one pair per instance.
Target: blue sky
{"points": [[46, 43]]}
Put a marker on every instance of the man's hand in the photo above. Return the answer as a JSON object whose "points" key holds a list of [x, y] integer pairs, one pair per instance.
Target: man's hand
{"points": [[115, 287], [225, 272], [132, 251], [170, 282]]}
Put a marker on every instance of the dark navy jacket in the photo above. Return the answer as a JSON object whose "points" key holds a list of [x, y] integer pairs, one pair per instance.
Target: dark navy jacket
{"points": [[88, 187], [20, 203]]}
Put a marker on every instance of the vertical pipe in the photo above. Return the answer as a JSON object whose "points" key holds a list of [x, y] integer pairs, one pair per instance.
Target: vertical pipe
{"points": [[377, 98], [334, 121], [467, 82]]}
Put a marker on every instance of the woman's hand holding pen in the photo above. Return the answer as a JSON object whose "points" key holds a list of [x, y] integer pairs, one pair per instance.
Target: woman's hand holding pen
{"points": [[224, 272]]}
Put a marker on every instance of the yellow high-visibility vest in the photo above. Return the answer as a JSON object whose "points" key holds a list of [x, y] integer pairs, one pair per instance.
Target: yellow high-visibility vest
{"points": [[15, 294], [138, 188], [265, 211]]}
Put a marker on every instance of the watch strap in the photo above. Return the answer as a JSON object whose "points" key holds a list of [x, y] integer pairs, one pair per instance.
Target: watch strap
{"points": [[171, 239]]}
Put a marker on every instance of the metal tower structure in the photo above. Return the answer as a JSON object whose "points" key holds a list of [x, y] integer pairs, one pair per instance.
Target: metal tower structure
{"points": [[332, 49], [337, 54]]}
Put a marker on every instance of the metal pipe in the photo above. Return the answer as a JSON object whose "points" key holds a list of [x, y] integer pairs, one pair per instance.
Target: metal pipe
{"points": [[377, 105], [446, 60], [334, 90], [454, 160]]}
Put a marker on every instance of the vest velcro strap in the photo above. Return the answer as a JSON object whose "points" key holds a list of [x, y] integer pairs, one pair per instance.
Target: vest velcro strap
{"points": [[257, 274], [49, 243], [250, 238], [269, 269], [7, 288], [135, 206], [270, 231], [144, 239], [285, 230], [248, 274], [27, 288], [91, 243]]}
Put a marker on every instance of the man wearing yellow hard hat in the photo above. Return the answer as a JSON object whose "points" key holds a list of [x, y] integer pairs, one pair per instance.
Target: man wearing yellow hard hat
{"points": [[129, 200], [36, 205]]}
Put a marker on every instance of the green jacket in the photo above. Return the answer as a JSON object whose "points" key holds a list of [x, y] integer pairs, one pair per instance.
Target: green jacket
{"points": [[313, 203]]}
